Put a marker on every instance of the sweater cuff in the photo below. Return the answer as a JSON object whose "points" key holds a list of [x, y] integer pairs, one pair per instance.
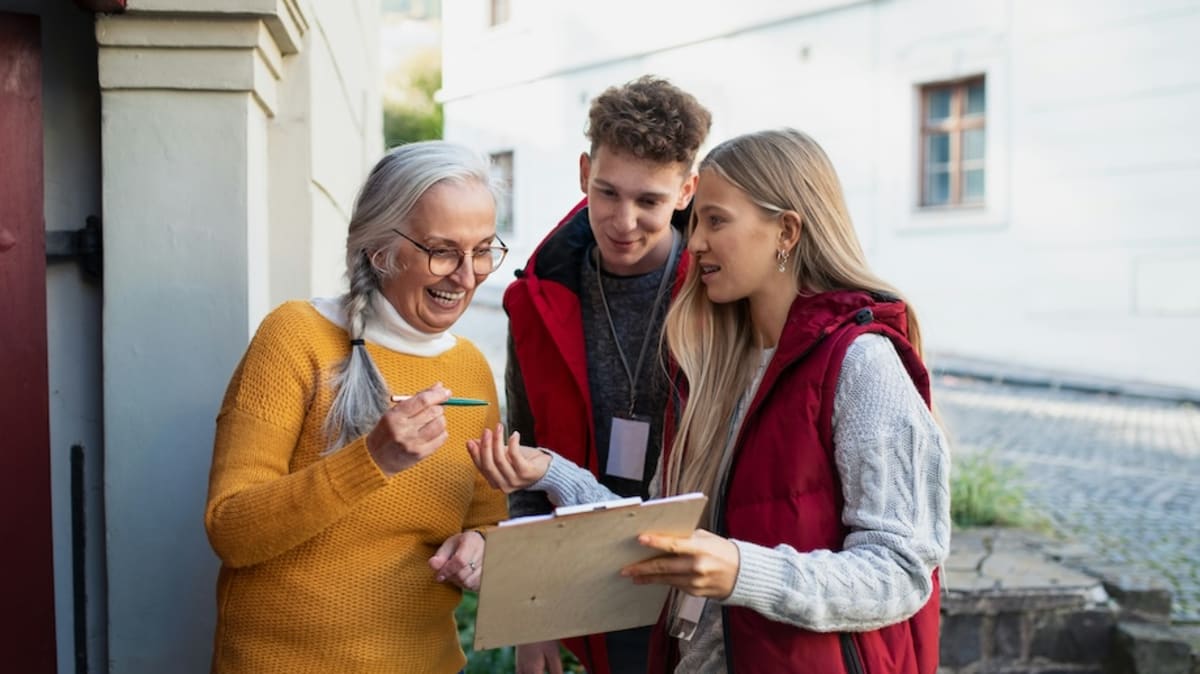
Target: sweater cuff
{"points": [[353, 473], [761, 579], [557, 477], [565, 483]]}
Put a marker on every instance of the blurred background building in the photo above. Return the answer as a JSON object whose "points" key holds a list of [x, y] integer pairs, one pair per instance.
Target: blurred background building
{"points": [[169, 171], [1023, 170]]}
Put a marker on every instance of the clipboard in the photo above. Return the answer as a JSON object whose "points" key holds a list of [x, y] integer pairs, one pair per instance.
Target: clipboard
{"points": [[550, 577]]}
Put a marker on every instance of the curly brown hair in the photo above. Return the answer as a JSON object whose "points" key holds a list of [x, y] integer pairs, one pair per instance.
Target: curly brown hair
{"points": [[649, 118]]}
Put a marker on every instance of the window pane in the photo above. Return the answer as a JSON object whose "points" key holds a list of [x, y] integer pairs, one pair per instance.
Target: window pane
{"points": [[973, 185], [976, 103], [937, 148], [937, 188], [500, 11], [938, 104], [502, 173], [973, 144]]}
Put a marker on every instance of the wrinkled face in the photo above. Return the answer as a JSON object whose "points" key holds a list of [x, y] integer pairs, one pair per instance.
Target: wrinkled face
{"points": [[630, 203], [459, 216], [733, 243]]}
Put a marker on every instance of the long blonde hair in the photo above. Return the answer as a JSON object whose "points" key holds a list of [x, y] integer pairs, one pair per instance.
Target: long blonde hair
{"points": [[715, 345]]}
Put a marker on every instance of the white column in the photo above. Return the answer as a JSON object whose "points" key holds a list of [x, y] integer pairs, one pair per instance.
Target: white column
{"points": [[188, 90]]}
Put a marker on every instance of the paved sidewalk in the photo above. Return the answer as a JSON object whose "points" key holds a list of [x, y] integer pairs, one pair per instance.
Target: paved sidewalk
{"points": [[1120, 474]]}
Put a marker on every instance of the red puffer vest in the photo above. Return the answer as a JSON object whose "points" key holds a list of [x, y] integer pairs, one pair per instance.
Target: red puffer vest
{"points": [[784, 487], [546, 324]]}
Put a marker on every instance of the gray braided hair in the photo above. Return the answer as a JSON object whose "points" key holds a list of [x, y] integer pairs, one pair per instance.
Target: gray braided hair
{"points": [[386, 200]]}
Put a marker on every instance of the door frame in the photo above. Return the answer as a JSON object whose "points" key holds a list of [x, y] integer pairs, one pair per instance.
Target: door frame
{"points": [[27, 636]]}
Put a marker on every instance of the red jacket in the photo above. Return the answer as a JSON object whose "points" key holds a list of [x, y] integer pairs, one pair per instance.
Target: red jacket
{"points": [[546, 328], [784, 487]]}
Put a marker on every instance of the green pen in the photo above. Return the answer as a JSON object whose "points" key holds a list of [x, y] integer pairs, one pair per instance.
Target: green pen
{"points": [[452, 402]]}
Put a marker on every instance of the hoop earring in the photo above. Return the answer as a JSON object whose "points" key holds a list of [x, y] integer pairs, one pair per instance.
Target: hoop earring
{"points": [[782, 256]]}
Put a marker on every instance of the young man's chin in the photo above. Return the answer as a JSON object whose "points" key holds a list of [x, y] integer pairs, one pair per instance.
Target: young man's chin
{"points": [[622, 260]]}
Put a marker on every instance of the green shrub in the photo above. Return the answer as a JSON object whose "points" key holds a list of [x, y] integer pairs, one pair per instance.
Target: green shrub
{"points": [[498, 659], [983, 493], [480, 662], [407, 124], [414, 114]]}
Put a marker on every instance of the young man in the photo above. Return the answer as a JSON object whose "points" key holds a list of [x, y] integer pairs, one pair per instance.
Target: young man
{"points": [[585, 375]]}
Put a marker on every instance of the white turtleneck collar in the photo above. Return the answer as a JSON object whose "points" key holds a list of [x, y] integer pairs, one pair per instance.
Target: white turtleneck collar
{"points": [[387, 328]]}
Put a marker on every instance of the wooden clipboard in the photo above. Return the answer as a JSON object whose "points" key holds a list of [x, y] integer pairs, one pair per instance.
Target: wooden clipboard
{"points": [[558, 576]]}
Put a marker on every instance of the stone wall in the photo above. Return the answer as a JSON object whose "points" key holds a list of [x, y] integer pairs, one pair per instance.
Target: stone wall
{"points": [[1017, 602]]}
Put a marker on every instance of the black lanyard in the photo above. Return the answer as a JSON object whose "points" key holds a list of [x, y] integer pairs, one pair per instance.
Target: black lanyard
{"points": [[668, 273]]}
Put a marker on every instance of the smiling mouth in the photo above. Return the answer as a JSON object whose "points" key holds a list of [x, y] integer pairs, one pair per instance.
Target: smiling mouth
{"points": [[706, 269], [445, 297], [623, 244]]}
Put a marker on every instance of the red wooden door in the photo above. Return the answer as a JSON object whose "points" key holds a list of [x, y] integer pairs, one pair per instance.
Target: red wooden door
{"points": [[27, 583]]}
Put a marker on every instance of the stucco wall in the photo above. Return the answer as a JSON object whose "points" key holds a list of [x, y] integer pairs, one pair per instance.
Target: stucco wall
{"points": [[346, 129], [1085, 257], [180, 262], [328, 118]]}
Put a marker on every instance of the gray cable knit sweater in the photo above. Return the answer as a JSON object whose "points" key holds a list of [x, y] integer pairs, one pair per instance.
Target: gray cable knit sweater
{"points": [[894, 464]]}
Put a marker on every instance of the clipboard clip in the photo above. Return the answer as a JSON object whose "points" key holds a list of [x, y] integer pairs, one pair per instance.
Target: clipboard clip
{"points": [[563, 511]]}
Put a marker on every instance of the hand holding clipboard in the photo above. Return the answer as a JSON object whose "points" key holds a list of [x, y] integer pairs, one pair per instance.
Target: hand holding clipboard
{"points": [[556, 576]]}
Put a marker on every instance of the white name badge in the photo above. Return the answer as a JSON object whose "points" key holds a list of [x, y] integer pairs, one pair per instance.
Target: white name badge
{"points": [[627, 444], [687, 616]]}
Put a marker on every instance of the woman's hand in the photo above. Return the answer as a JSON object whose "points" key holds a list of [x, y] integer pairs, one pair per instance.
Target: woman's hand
{"points": [[410, 431], [703, 564], [460, 560], [507, 466], [539, 658]]}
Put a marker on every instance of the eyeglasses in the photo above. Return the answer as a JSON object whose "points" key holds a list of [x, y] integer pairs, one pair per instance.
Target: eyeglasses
{"points": [[446, 261]]}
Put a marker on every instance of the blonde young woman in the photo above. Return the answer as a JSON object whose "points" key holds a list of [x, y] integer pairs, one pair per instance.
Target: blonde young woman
{"points": [[804, 417]]}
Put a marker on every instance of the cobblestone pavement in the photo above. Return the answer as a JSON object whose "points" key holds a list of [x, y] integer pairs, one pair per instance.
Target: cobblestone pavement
{"points": [[1119, 474]]}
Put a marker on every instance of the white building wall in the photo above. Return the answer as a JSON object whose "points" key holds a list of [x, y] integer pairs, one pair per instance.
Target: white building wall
{"points": [[347, 126], [178, 259], [1086, 257]]}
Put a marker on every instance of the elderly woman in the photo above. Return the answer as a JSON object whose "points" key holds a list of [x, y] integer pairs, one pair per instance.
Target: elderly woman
{"points": [[341, 527]]}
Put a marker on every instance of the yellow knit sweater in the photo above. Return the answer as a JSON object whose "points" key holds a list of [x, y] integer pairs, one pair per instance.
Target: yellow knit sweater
{"points": [[325, 560]]}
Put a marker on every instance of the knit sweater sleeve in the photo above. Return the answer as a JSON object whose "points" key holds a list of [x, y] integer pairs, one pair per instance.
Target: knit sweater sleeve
{"points": [[257, 507], [894, 466], [567, 484]]}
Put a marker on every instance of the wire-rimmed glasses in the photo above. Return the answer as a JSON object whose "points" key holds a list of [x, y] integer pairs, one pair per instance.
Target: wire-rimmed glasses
{"points": [[446, 261]]}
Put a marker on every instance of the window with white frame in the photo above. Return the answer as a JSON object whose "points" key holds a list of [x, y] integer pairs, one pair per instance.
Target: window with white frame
{"points": [[953, 150], [502, 174]]}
